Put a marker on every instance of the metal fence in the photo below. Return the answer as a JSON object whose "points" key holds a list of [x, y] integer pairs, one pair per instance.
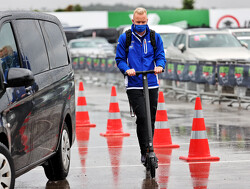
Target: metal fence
{"points": [[215, 80]]}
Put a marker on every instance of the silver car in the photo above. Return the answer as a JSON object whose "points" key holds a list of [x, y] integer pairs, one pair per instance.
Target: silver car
{"points": [[104, 45], [204, 44], [85, 47]]}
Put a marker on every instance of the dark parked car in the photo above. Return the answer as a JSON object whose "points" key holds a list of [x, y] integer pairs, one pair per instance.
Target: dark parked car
{"points": [[71, 35], [111, 34], [37, 96]]}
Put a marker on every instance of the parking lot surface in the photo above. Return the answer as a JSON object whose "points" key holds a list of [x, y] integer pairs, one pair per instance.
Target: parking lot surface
{"points": [[114, 162]]}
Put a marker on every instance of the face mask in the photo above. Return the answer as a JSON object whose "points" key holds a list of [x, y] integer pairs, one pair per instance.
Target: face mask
{"points": [[140, 28]]}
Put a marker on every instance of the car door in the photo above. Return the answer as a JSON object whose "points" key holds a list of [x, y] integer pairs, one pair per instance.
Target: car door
{"points": [[42, 118], [60, 70], [18, 107]]}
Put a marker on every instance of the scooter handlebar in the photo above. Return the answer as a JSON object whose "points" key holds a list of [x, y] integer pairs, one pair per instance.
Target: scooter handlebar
{"points": [[143, 72]]}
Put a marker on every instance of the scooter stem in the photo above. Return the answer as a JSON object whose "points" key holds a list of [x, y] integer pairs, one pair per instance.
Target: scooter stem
{"points": [[148, 114]]}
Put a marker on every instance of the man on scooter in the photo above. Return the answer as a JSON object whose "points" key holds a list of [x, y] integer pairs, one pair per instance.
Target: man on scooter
{"points": [[141, 56]]}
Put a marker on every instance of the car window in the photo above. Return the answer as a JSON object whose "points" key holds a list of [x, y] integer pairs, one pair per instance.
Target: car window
{"points": [[213, 40], [167, 39], [82, 44], [242, 33], [176, 40], [57, 48], [183, 40], [179, 40], [100, 41], [8, 50], [33, 46]]}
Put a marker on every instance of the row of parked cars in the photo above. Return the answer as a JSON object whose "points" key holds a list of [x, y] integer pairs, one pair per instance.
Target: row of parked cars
{"points": [[100, 44], [185, 45]]}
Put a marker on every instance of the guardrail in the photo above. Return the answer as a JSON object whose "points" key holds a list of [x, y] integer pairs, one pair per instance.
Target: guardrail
{"points": [[215, 80]]}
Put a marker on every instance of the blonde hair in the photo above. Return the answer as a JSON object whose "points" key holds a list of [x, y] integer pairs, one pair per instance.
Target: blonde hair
{"points": [[140, 10]]}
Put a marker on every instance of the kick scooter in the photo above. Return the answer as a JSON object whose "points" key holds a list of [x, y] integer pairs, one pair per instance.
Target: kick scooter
{"points": [[151, 162]]}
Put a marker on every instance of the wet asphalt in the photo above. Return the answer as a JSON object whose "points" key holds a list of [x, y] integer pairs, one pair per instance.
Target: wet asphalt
{"points": [[114, 162]]}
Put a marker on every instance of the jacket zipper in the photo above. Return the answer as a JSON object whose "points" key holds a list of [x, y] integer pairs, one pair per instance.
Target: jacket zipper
{"points": [[145, 46]]}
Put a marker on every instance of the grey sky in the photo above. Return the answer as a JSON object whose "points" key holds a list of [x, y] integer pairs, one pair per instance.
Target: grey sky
{"points": [[54, 4]]}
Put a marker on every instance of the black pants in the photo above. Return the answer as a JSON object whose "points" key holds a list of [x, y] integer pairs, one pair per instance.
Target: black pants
{"points": [[137, 101]]}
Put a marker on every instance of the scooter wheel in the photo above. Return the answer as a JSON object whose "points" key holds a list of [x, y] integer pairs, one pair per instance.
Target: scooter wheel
{"points": [[152, 167]]}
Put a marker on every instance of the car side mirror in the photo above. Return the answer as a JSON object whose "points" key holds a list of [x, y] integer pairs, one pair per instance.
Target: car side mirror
{"points": [[18, 77], [181, 47], [244, 44]]}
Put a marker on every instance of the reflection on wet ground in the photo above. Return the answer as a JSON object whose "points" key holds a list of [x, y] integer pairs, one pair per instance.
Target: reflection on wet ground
{"points": [[225, 133], [164, 157], [114, 162], [199, 173]]}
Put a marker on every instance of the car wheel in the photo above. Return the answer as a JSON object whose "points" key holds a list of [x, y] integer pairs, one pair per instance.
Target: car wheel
{"points": [[7, 171], [57, 167]]}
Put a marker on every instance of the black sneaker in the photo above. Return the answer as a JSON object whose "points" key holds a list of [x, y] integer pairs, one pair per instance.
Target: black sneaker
{"points": [[143, 159]]}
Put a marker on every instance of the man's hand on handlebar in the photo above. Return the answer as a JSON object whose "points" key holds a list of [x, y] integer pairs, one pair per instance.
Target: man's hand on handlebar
{"points": [[131, 72], [158, 69]]}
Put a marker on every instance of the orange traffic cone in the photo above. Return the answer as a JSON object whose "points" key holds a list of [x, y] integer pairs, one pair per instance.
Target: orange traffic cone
{"points": [[114, 124], [162, 136], [199, 147], [199, 173], [82, 115]]}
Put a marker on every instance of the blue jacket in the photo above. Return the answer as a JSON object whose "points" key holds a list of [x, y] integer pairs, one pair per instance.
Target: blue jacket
{"points": [[141, 57]]}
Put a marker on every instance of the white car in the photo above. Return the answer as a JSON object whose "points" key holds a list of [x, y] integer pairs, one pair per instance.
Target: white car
{"points": [[104, 45], [204, 44], [85, 47]]}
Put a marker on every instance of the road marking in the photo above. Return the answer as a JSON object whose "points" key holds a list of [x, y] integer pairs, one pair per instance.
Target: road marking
{"points": [[127, 146], [160, 164], [164, 164]]}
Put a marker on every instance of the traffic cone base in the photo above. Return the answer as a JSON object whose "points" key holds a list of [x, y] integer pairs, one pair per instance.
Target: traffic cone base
{"points": [[164, 139], [85, 125], [114, 128], [195, 159], [83, 122], [114, 134]]}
